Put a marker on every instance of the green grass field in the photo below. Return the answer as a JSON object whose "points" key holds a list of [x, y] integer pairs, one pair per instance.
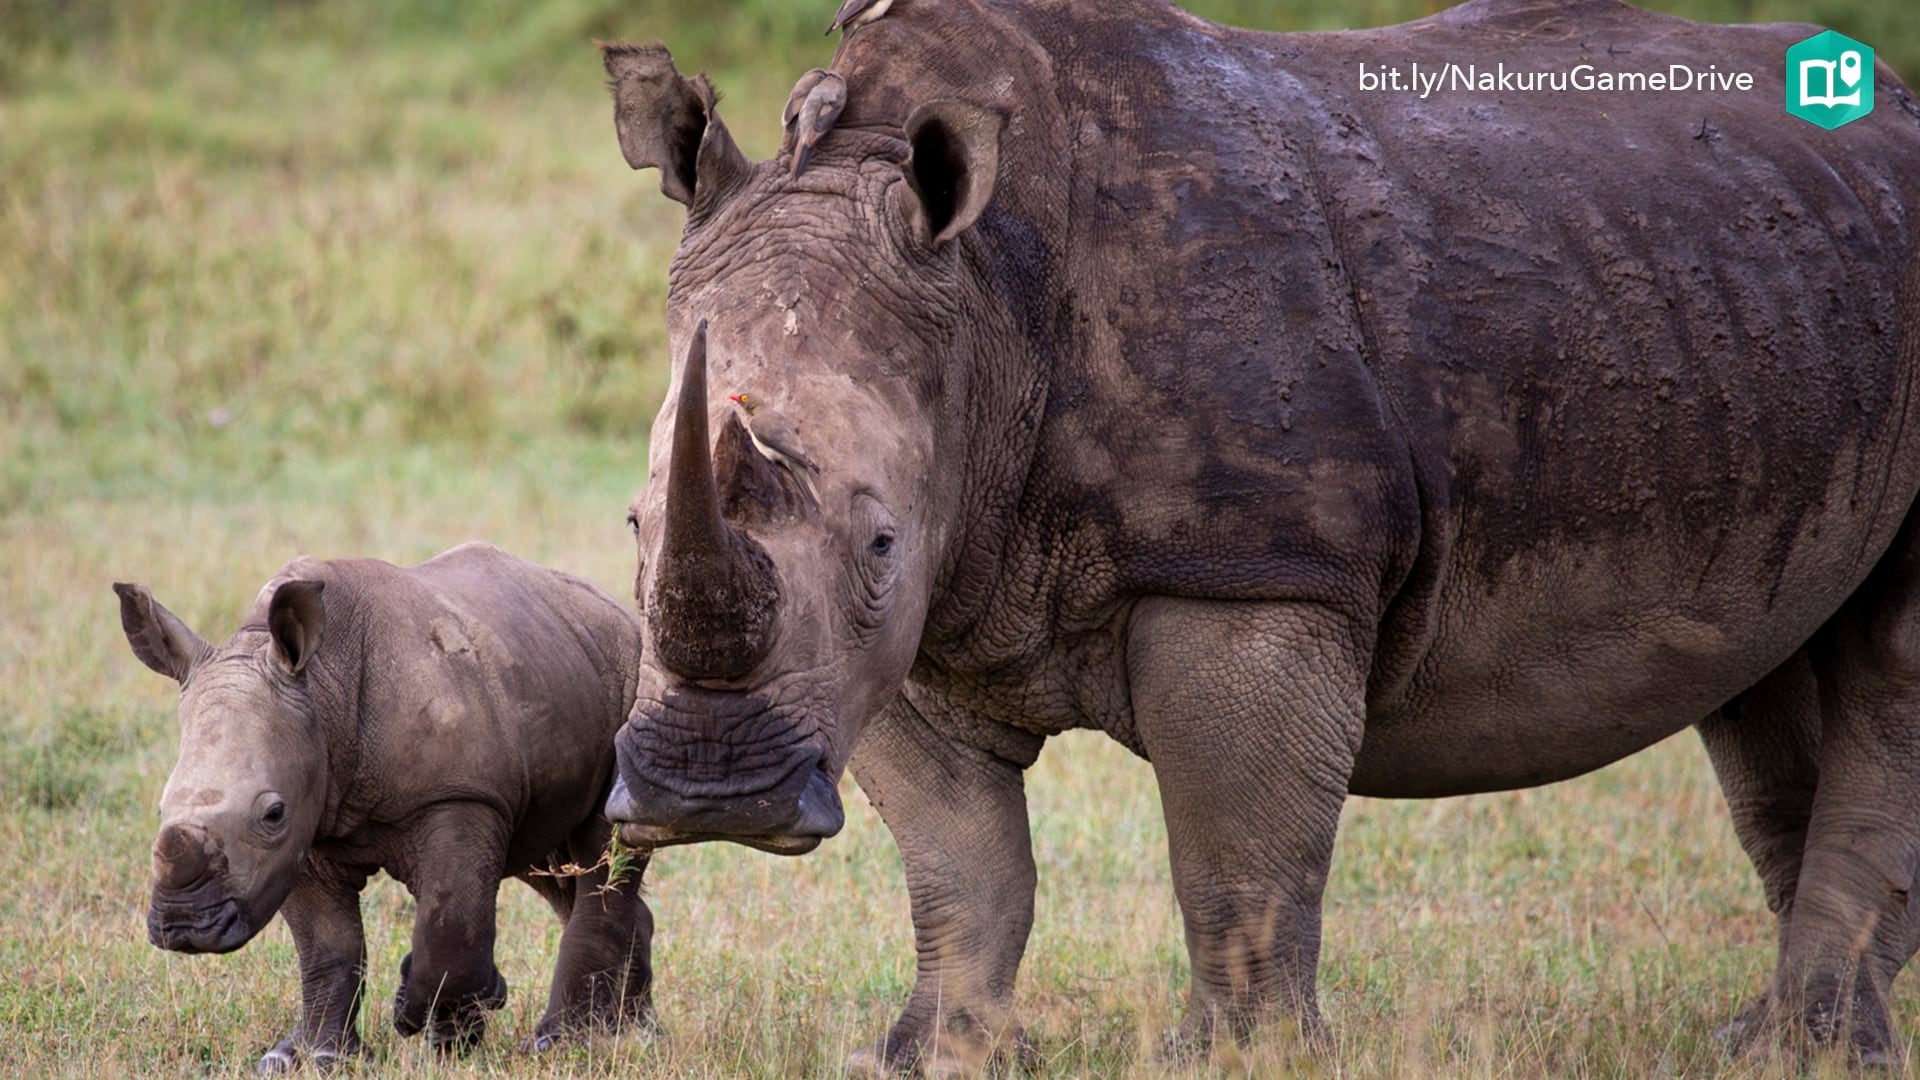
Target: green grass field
{"points": [[354, 278]]}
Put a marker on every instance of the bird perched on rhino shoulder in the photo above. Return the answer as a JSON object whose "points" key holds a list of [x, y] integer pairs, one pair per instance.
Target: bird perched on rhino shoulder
{"points": [[817, 115], [779, 442], [855, 14]]}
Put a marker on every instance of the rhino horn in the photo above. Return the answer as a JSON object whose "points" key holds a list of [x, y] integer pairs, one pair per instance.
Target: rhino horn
{"points": [[714, 590], [180, 857]]}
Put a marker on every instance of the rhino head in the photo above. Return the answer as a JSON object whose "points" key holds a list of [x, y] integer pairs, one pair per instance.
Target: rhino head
{"points": [[241, 808], [779, 623]]}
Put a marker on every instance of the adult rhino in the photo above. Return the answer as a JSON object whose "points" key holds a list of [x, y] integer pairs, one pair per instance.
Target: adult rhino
{"points": [[1307, 441]]}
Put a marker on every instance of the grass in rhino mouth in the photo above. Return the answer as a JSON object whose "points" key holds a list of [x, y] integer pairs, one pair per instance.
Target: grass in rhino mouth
{"points": [[622, 864]]}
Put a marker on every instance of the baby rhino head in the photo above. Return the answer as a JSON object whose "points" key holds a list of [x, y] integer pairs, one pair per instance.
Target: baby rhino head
{"points": [[245, 799]]}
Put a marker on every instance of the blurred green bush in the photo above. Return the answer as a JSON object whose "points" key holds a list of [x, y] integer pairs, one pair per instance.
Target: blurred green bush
{"points": [[239, 234], [507, 39]]}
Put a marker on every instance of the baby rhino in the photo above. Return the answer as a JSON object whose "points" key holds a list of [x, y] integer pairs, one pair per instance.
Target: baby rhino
{"points": [[450, 723]]}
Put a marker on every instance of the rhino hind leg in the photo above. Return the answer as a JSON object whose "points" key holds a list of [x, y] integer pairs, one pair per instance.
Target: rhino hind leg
{"points": [[1850, 929], [958, 814], [1252, 715], [603, 976], [1765, 746]]}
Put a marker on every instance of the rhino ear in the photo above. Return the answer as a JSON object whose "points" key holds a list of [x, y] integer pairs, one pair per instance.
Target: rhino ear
{"points": [[671, 123], [295, 618], [953, 165], [159, 638]]}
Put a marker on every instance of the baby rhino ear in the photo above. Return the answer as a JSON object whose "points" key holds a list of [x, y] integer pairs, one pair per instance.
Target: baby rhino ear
{"points": [[159, 638], [295, 618]]}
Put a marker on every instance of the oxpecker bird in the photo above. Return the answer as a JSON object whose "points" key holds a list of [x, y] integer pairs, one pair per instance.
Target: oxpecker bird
{"points": [[779, 442], [855, 14], [800, 91], [817, 115]]}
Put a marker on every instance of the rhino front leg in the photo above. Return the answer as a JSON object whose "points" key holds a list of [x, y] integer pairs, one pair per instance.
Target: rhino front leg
{"points": [[323, 913], [603, 978], [1252, 715], [448, 982], [959, 817]]}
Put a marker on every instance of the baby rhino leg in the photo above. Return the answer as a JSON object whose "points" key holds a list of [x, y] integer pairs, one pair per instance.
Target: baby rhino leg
{"points": [[448, 982], [323, 912]]}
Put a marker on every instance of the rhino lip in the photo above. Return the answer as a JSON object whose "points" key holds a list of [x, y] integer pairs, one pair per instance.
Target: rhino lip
{"points": [[649, 837], [221, 928], [788, 819]]}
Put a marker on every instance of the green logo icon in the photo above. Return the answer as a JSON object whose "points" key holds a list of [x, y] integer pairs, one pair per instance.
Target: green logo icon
{"points": [[1829, 79]]}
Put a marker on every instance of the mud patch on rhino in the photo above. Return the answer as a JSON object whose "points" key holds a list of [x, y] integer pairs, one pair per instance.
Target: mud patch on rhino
{"points": [[448, 637]]}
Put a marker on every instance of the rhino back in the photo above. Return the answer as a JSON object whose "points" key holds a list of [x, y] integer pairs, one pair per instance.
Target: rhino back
{"points": [[1595, 403], [1654, 353], [1559, 305]]}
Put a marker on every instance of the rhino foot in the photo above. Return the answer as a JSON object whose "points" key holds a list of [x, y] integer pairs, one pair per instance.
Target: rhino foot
{"points": [[543, 1042], [555, 1032], [954, 1055], [1247, 1040], [1743, 1032], [1178, 1050], [453, 1025], [290, 1053], [875, 1063], [281, 1059], [1816, 1027]]}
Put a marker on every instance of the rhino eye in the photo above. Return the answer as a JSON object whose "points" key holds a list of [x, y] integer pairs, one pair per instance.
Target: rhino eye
{"points": [[633, 524], [275, 814], [883, 544]]}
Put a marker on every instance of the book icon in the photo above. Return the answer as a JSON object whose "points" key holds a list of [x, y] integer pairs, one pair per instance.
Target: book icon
{"points": [[1829, 79], [1845, 70]]}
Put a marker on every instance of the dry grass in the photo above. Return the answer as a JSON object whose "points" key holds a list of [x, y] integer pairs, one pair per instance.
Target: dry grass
{"points": [[336, 280]]}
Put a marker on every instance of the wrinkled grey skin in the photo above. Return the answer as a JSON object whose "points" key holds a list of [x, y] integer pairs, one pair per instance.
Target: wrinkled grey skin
{"points": [[448, 723], [1307, 441]]}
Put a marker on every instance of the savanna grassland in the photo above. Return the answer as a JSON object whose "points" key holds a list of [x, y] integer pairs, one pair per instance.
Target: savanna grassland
{"points": [[371, 278]]}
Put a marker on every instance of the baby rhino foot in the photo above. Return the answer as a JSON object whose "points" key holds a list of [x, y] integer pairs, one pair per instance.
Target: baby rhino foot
{"points": [[281, 1059], [555, 1032], [288, 1054], [453, 1023]]}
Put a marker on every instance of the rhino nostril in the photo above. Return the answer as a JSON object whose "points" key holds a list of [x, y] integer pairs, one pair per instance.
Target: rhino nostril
{"points": [[180, 857]]}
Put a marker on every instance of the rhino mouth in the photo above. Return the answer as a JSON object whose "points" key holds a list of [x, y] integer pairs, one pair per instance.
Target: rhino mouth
{"points": [[696, 766], [649, 837], [789, 818], [198, 928]]}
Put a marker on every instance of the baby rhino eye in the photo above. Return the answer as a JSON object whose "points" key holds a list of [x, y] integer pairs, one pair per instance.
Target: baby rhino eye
{"points": [[275, 814]]}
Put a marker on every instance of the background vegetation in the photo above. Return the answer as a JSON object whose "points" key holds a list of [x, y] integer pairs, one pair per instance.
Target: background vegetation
{"points": [[363, 277]]}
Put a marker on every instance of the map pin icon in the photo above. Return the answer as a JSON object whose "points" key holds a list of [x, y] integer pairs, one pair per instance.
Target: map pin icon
{"points": [[1850, 68]]}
